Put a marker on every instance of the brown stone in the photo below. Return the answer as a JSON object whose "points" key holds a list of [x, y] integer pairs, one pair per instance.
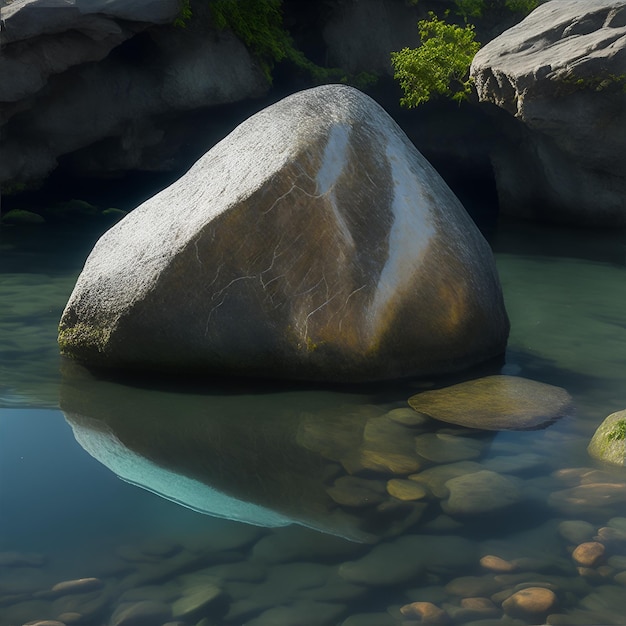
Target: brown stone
{"points": [[408, 417], [496, 564], [426, 612], [478, 604], [530, 602], [356, 492], [495, 403], [472, 586], [389, 462], [472, 609], [405, 489], [589, 554]]}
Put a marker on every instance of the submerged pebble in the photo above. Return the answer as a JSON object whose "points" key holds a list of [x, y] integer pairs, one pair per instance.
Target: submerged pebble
{"points": [[589, 554], [496, 564], [425, 612], [145, 612], [197, 600], [443, 448], [480, 492], [530, 603], [406, 489], [79, 585], [576, 531], [353, 491]]}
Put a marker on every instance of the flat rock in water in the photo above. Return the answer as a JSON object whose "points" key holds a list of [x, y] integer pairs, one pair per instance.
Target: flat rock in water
{"points": [[576, 531], [196, 601], [295, 543], [406, 489], [435, 478], [79, 585], [302, 613], [145, 612], [480, 492], [442, 448], [314, 242], [356, 492], [409, 556], [530, 602], [495, 403]]}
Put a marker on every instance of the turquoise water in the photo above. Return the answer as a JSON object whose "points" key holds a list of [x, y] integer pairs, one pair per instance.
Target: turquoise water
{"points": [[236, 503]]}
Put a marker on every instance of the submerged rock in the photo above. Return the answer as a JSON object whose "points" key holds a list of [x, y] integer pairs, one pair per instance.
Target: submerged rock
{"points": [[480, 492], [314, 242], [495, 403], [609, 441], [589, 554], [530, 603]]}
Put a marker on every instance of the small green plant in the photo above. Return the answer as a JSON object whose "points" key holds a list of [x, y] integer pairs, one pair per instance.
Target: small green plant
{"points": [[439, 66], [602, 81], [469, 8], [259, 25], [619, 431], [521, 6], [478, 8], [184, 14]]}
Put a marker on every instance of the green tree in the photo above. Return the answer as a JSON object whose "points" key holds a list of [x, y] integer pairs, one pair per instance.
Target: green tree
{"points": [[439, 66]]}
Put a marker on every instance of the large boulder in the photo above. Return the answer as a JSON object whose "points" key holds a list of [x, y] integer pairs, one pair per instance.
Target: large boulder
{"points": [[105, 80], [561, 72], [314, 242]]}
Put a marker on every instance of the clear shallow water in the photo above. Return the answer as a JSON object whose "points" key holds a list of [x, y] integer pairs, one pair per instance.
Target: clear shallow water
{"points": [[307, 471]]}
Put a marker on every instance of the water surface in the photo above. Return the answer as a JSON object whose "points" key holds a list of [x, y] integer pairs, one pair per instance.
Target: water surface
{"points": [[235, 503]]}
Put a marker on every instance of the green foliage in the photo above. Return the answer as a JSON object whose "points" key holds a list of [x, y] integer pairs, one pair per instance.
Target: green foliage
{"points": [[259, 25], [21, 217], [184, 14], [603, 81], [13, 188], [521, 6], [619, 432], [439, 66], [477, 8], [469, 8]]}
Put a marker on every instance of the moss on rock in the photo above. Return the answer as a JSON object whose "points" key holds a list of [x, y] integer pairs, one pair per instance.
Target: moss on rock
{"points": [[22, 217], [608, 443]]}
